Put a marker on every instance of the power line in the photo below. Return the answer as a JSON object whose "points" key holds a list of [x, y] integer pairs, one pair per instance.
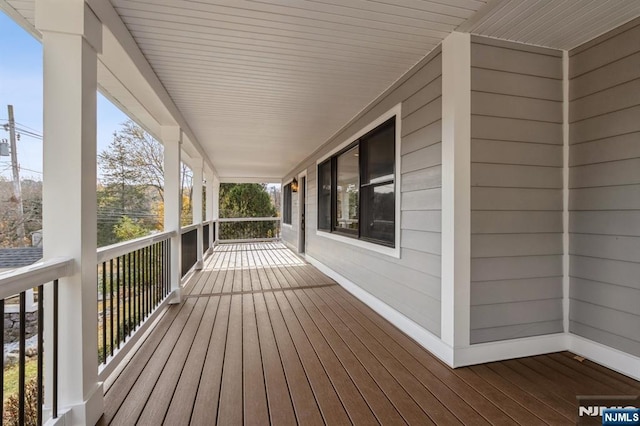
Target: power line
{"points": [[28, 133], [27, 127], [30, 170]]}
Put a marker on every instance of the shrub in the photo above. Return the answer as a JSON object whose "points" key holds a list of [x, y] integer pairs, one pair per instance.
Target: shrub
{"points": [[11, 406]]}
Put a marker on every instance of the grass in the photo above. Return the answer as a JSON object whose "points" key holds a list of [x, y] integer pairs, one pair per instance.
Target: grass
{"points": [[11, 376]]}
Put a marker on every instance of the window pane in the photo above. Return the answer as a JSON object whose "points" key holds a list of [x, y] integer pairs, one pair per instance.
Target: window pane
{"points": [[380, 155], [348, 184], [324, 195], [286, 199], [379, 212]]}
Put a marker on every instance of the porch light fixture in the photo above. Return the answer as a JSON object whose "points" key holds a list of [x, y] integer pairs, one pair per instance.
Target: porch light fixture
{"points": [[294, 185]]}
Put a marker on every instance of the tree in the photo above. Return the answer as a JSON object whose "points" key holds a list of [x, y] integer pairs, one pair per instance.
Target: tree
{"points": [[9, 218], [128, 229], [131, 184], [186, 195], [136, 155], [246, 200]]}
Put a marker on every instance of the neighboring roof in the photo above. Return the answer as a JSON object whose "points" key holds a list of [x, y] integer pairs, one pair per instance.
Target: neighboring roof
{"points": [[18, 257]]}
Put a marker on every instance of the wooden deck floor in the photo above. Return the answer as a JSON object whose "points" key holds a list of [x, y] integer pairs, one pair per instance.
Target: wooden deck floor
{"points": [[262, 337]]}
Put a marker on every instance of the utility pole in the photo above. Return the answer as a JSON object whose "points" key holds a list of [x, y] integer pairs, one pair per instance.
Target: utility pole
{"points": [[17, 190]]}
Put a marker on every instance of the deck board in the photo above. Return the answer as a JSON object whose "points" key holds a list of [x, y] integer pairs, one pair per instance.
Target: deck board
{"points": [[181, 405], [262, 337]]}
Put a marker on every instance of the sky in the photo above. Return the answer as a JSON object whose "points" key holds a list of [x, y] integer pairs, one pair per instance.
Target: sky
{"points": [[21, 86]]}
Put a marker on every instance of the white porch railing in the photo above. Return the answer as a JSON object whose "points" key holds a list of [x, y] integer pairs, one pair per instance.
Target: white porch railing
{"points": [[133, 280], [247, 229], [30, 407]]}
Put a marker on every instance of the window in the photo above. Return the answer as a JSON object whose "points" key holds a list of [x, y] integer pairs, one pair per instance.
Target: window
{"points": [[286, 204], [324, 196], [356, 188]]}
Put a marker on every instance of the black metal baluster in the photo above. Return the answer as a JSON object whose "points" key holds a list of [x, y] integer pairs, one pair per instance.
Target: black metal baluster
{"points": [[55, 350], [143, 287], [129, 300], [168, 268], [150, 277], [22, 359], [118, 301], [147, 281], [104, 312], [163, 262], [136, 291], [111, 305], [163, 275], [154, 265], [158, 272], [40, 401]]}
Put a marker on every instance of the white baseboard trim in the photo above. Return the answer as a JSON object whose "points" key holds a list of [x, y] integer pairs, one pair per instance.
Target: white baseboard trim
{"points": [[614, 359], [425, 338], [290, 246], [508, 349]]}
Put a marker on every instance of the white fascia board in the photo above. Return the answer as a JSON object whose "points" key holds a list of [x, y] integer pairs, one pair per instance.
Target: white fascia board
{"points": [[256, 179]]}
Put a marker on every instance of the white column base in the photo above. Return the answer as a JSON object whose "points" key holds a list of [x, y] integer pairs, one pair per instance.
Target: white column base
{"points": [[86, 413], [175, 297]]}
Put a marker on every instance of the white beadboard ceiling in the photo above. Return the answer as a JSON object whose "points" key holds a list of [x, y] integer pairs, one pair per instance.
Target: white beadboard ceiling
{"points": [[264, 83], [560, 24]]}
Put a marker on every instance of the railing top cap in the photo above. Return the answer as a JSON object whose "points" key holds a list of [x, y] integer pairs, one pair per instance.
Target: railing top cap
{"points": [[115, 250], [21, 279]]}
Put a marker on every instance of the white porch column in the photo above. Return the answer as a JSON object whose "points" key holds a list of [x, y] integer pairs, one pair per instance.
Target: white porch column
{"points": [[172, 139], [209, 204], [198, 177], [71, 39], [456, 190], [216, 205]]}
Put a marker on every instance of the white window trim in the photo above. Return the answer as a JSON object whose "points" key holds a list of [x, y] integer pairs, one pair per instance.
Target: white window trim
{"points": [[282, 185], [388, 251]]}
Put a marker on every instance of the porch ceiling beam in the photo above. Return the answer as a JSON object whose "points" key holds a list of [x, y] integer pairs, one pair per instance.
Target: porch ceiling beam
{"points": [[249, 179]]}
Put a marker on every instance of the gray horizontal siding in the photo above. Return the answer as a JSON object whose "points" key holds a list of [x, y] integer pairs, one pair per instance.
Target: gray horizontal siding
{"points": [[516, 191], [411, 284], [510, 152], [604, 186]]}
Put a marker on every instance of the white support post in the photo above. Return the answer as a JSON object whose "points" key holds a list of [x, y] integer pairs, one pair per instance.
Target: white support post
{"points": [[198, 177], [71, 40], [456, 191], [216, 205], [209, 205], [172, 139]]}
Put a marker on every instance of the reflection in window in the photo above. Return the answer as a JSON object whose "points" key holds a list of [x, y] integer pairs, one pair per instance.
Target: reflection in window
{"points": [[347, 191], [324, 195]]}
